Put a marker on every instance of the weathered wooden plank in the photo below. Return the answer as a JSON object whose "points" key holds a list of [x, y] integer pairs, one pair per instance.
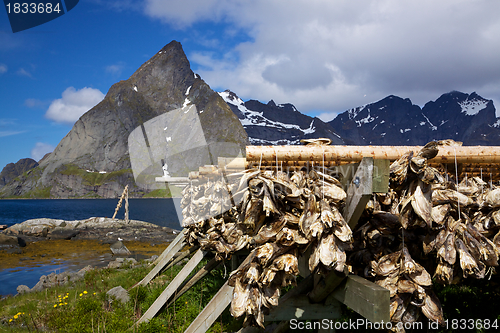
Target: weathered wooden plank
{"points": [[178, 239], [164, 258], [299, 307], [216, 305], [172, 287], [359, 192], [304, 263], [181, 256], [380, 176], [195, 278], [463, 154], [326, 285], [366, 298], [212, 311]]}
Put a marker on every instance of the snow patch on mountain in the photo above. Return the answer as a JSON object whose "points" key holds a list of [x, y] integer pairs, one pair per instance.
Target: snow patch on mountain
{"points": [[472, 107], [255, 118]]}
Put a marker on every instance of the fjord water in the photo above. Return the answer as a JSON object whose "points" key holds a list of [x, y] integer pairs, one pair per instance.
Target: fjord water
{"points": [[159, 211]]}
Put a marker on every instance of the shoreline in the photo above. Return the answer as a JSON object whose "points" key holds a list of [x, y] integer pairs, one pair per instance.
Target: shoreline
{"points": [[34, 248]]}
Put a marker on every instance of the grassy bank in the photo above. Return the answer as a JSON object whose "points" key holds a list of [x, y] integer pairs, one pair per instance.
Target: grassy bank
{"points": [[83, 306]]}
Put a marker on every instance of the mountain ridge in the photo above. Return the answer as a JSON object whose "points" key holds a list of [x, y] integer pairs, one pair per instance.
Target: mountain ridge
{"points": [[93, 159]]}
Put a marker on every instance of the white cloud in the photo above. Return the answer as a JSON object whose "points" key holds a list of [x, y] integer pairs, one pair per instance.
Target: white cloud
{"points": [[9, 133], [35, 103], [73, 104], [3, 68], [327, 116], [327, 55], [40, 149], [24, 72], [115, 69]]}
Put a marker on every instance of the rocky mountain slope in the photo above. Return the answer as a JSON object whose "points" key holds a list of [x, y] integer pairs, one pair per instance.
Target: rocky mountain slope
{"points": [[283, 124], [13, 170], [469, 118], [93, 159]]}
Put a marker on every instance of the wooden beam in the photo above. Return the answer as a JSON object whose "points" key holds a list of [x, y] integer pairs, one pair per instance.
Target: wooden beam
{"points": [[326, 285], [447, 154], [172, 287], [195, 278], [380, 176], [181, 256], [212, 311], [299, 307], [366, 298], [216, 305], [359, 192], [164, 258]]}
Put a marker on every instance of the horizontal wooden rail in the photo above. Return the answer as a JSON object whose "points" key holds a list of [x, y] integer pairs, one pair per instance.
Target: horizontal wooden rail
{"points": [[464, 154]]}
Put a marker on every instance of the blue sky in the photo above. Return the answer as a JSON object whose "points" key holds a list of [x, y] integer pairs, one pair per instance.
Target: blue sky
{"points": [[322, 56]]}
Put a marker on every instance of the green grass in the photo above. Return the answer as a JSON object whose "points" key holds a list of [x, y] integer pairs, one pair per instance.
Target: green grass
{"points": [[92, 178], [82, 306]]}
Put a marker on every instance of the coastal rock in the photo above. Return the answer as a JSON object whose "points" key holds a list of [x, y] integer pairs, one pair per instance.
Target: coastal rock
{"points": [[6, 240], [119, 249], [119, 262], [118, 293], [62, 233], [106, 230], [34, 227], [53, 279], [22, 289]]}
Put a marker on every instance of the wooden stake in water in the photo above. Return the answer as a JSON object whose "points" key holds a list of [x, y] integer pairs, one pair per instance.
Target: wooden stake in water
{"points": [[124, 196]]}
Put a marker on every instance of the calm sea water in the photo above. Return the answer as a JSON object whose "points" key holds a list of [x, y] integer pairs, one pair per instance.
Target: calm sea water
{"points": [[157, 211]]}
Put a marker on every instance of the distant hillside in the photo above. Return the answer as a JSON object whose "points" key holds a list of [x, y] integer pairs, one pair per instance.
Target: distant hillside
{"points": [[13, 170]]}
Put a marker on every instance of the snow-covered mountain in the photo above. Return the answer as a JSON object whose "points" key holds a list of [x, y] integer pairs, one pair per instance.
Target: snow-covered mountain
{"points": [[393, 120], [271, 124], [469, 118]]}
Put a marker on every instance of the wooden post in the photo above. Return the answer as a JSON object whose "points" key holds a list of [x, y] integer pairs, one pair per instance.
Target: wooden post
{"points": [[172, 287], [366, 298], [216, 305], [164, 258], [126, 204], [212, 311], [212, 264], [301, 308], [371, 176], [326, 285], [359, 192], [124, 193]]}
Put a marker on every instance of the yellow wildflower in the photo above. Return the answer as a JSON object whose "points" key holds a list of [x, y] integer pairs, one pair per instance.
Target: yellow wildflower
{"points": [[16, 316], [10, 320], [55, 305], [81, 294], [85, 292]]}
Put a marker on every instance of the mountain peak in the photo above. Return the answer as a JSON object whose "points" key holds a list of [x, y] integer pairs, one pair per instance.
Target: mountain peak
{"points": [[98, 142]]}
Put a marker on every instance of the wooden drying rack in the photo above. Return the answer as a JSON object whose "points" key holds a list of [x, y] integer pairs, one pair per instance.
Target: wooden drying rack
{"points": [[365, 171]]}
